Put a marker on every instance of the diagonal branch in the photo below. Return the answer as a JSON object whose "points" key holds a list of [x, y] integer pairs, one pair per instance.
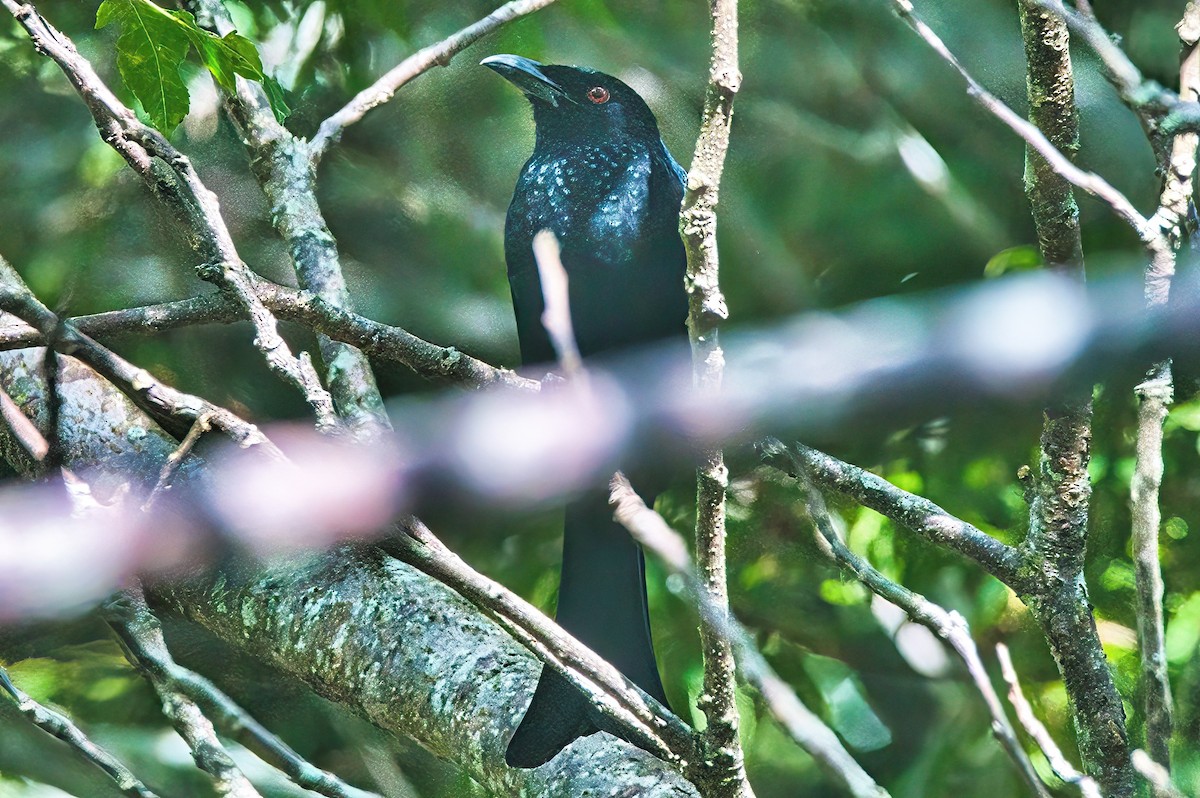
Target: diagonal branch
{"points": [[1090, 182], [805, 728], [906, 509], [374, 338], [60, 726], [949, 626], [415, 65]]}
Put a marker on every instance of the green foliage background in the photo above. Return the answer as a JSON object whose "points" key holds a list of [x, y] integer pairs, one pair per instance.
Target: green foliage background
{"points": [[859, 168]]}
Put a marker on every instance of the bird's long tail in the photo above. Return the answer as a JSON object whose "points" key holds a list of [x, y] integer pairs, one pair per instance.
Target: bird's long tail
{"points": [[602, 602]]}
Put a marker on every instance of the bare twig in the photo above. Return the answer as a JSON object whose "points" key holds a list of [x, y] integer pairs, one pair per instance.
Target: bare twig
{"points": [[416, 64], [1090, 182], [636, 714], [1157, 776], [60, 726], [1155, 395], [172, 178], [201, 425], [1036, 730], [302, 307], [141, 638], [706, 310], [909, 510], [556, 317], [22, 428], [139, 632], [809, 732], [949, 626], [174, 410]]}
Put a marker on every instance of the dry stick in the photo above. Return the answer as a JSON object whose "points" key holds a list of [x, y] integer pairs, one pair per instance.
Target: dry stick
{"points": [[706, 310], [638, 716], [172, 409], [950, 626], [172, 178], [374, 338], [809, 732], [139, 631], [24, 430], [1154, 397], [556, 298], [60, 726], [1156, 775], [1087, 181], [1036, 730], [141, 638], [916, 513], [289, 181], [416, 64], [201, 425]]}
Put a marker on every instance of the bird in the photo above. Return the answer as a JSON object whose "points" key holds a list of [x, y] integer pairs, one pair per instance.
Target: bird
{"points": [[602, 180]]}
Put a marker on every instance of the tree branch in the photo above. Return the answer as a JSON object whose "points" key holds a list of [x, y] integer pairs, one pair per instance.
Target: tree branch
{"points": [[951, 627], [171, 177], [906, 509], [60, 726], [380, 340], [706, 309], [416, 64], [1090, 182], [805, 728]]}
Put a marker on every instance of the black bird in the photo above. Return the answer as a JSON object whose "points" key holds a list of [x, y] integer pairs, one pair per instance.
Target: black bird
{"points": [[602, 180]]}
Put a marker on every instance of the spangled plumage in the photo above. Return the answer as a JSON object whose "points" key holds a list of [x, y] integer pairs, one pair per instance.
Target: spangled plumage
{"points": [[602, 180]]}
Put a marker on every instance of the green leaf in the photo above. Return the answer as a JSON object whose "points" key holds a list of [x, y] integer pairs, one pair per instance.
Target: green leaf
{"points": [[275, 97], [146, 26], [150, 50], [1014, 259]]}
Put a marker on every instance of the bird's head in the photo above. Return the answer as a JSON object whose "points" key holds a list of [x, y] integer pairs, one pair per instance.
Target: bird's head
{"points": [[571, 102]]}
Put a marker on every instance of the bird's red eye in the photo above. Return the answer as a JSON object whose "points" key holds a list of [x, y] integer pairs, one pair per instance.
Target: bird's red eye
{"points": [[598, 94]]}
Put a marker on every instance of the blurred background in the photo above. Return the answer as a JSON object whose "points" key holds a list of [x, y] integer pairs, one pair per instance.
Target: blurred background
{"points": [[859, 168]]}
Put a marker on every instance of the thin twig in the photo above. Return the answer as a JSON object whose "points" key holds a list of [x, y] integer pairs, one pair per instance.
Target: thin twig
{"points": [[24, 430], [60, 726], [949, 626], [416, 64], [1087, 181], [1154, 396], [1036, 730], [556, 297], [302, 307], [620, 700], [1157, 776], [726, 775], [906, 509], [174, 460], [806, 729], [139, 632]]}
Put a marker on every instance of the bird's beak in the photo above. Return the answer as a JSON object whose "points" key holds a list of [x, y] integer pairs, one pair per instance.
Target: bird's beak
{"points": [[527, 75]]}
